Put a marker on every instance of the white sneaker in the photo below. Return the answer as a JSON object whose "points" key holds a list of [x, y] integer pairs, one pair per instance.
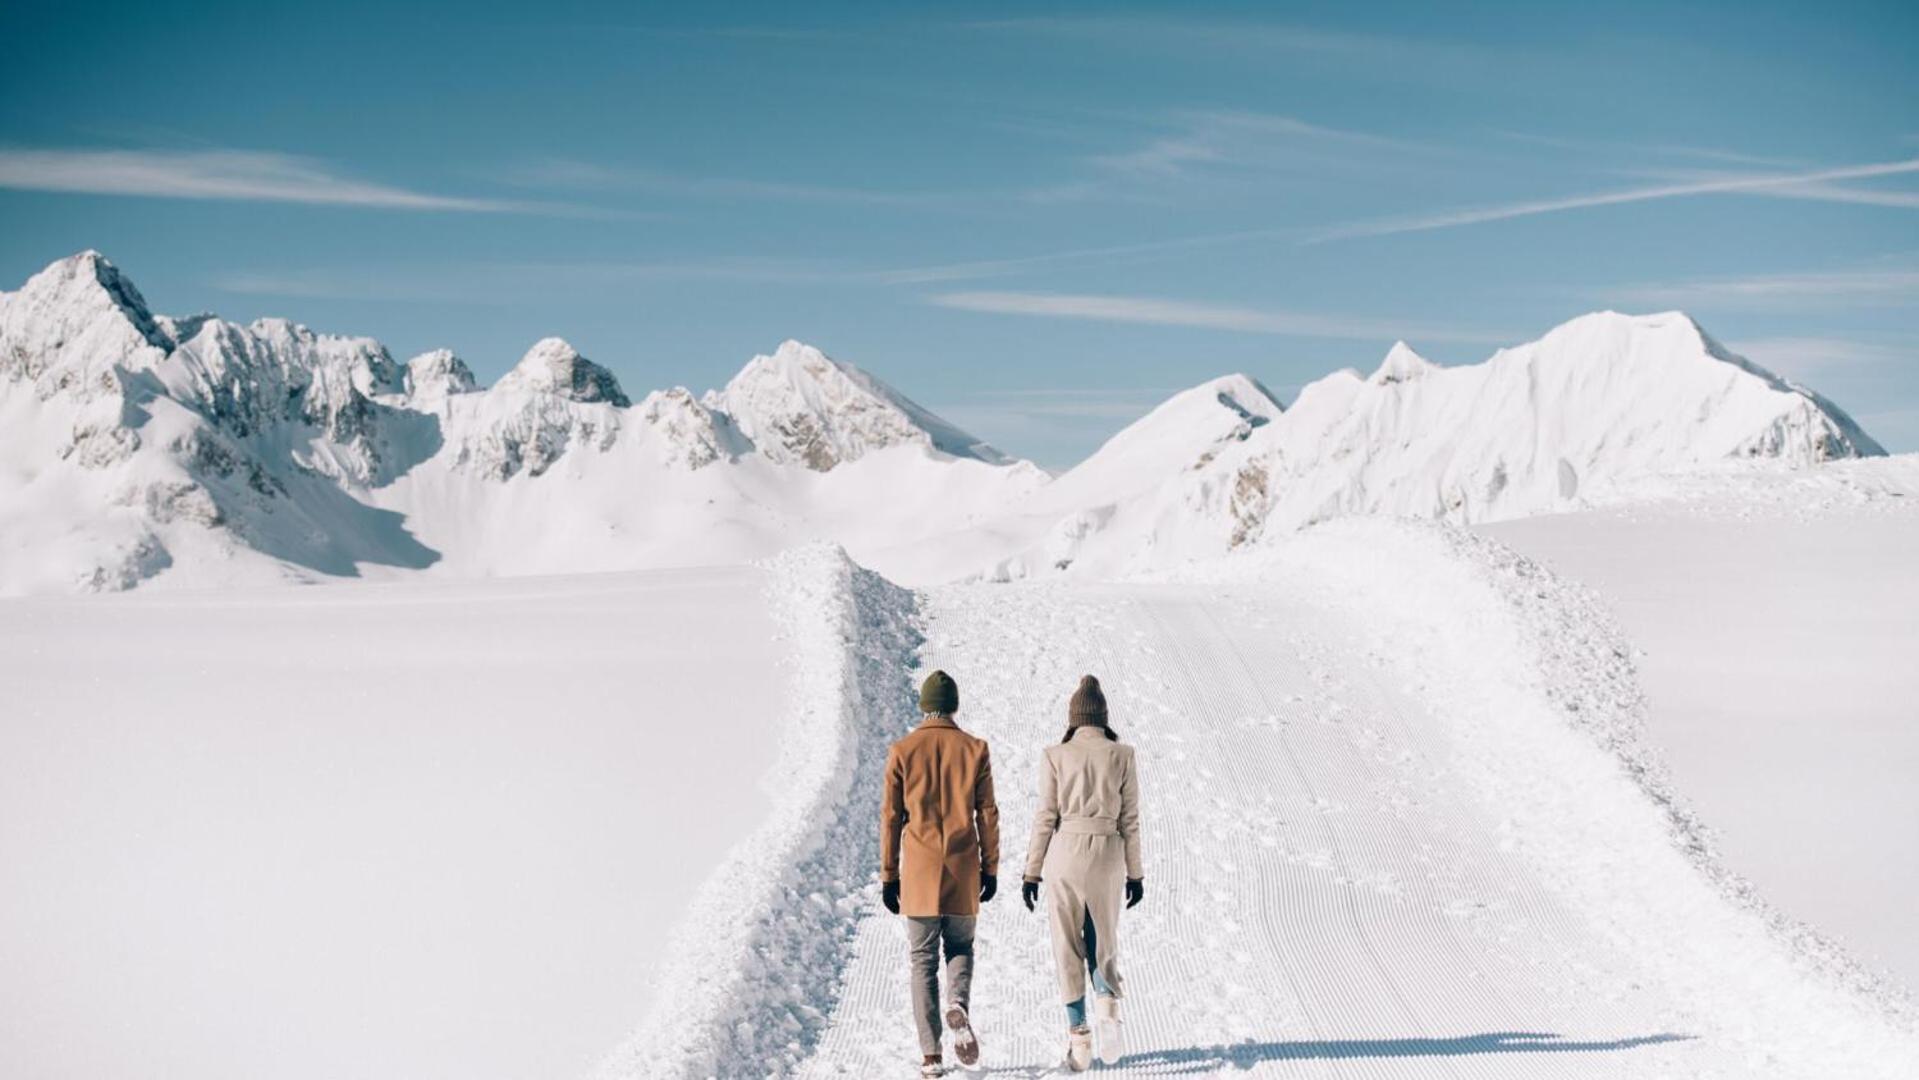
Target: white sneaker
{"points": [[1112, 1034], [965, 1039], [1079, 1049], [932, 1068]]}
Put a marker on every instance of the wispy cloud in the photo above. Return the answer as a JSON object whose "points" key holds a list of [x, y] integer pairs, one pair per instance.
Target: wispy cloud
{"points": [[339, 285], [1183, 148], [1814, 190], [1161, 312], [1160, 157], [988, 268], [1874, 287], [248, 175], [1198, 138], [1221, 36], [484, 282], [1906, 200], [563, 173], [1642, 150], [1724, 185]]}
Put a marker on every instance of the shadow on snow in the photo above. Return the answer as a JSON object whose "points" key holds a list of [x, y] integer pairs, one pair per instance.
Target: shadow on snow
{"points": [[1247, 1055]]}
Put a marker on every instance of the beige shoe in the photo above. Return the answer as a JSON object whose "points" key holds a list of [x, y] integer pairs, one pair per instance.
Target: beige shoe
{"points": [[1112, 1035], [1079, 1049]]}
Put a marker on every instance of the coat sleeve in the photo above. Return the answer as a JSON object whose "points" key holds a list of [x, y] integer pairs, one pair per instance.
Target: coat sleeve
{"points": [[1044, 822], [1129, 815], [986, 811], [892, 817]]}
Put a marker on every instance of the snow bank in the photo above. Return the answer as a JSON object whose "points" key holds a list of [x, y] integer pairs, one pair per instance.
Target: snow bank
{"points": [[1774, 611], [1538, 688], [756, 967]]}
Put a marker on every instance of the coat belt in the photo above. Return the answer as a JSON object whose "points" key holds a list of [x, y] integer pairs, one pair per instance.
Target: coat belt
{"points": [[1089, 826]]}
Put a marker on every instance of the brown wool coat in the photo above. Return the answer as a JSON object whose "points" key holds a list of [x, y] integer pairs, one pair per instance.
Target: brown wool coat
{"points": [[938, 818]]}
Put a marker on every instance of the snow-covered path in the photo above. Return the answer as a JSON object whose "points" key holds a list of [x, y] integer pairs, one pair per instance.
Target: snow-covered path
{"points": [[1325, 896]]}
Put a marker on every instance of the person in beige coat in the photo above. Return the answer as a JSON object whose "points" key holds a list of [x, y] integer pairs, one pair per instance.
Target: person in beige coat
{"points": [[939, 861], [1085, 846]]}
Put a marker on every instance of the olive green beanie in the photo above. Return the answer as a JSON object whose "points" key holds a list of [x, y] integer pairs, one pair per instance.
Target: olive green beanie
{"points": [[939, 694], [1088, 705]]}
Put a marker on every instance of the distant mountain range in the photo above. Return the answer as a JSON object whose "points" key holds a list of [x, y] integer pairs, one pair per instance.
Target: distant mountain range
{"points": [[139, 447]]}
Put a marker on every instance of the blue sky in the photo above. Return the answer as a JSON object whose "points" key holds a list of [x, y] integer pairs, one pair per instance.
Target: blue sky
{"points": [[1038, 222]]}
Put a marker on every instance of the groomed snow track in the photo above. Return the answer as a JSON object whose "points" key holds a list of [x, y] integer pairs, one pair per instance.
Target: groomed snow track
{"points": [[1318, 904], [1358, 864]]}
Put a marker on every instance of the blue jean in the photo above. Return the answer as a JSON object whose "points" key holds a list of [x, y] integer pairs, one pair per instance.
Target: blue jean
{"points": [[1076, 1010]]}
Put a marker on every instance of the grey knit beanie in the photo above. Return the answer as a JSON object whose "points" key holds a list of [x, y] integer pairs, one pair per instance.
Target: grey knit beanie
{"points": [[1088, 705]]}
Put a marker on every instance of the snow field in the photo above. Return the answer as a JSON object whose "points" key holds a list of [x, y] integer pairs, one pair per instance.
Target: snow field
{"points": [[1773, 614], [425, 831]]}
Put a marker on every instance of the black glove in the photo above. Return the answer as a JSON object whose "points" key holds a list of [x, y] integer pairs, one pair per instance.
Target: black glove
{"points": [[1135, 891], [988, 887], [890, 896], [1029, 892]]}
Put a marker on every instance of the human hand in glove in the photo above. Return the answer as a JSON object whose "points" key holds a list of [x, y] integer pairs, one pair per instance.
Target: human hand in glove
{"points": [[890, 896], [988, 887], [1029, 892], [1135, 891]]}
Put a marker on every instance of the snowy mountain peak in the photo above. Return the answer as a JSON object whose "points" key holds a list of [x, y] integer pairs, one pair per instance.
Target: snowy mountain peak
{"points": [[1186, 431], [1604, 337], [438, 374], [1666, 362], [552, 366], [799, 405], [1402, 364], [88, 280], [73, 322]]}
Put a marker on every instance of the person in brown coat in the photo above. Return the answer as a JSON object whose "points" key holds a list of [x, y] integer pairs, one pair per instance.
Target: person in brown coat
{"points": [[939, 860]]}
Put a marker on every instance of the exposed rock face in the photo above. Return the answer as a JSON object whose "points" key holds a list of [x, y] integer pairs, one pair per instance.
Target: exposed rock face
{"points": [[552, 366], [318, 395], [530, 432]]}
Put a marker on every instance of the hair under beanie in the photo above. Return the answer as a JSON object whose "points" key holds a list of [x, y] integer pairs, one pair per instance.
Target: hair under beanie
{"points": [[939, 694], [1088, 705]]}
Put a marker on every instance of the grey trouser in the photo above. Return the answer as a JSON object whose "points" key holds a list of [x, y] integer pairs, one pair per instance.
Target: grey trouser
{"points": [[925, 937]]}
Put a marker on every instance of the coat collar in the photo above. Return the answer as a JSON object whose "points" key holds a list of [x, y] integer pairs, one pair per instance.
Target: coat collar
{"points": [[938, 722], [1081, 731]]}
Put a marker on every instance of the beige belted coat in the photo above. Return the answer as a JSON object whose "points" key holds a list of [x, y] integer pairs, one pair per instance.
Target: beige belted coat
{"points": [[1085, 845]]}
